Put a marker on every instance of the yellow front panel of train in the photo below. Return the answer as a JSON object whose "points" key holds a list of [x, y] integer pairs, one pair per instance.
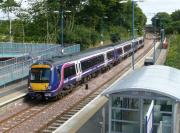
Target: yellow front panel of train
{"points": [[40, 66], [39, 86]]}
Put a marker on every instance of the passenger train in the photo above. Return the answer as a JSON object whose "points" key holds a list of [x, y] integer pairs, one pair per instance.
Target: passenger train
{"points": [[51, 78]]}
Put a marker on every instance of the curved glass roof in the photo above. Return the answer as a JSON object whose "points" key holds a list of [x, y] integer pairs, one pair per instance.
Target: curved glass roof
{"points": [[162, 80]]}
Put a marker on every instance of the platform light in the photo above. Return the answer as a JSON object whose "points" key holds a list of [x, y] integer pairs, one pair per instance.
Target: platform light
{"points": [[133, 1], [62, 23]]}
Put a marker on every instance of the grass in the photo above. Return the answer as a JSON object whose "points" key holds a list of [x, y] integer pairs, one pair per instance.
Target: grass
{"points": [[173, 57]]}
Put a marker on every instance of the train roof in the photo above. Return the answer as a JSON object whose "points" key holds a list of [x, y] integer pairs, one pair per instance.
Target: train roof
{"points": [[67, 58], [75, 56]]}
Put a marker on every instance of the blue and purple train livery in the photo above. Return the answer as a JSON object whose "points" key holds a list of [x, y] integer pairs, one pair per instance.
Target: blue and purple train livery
{"points": [[49, 78]]}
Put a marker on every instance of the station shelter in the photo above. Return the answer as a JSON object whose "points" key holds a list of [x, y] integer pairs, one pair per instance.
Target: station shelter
{"points": [[145, 101]]}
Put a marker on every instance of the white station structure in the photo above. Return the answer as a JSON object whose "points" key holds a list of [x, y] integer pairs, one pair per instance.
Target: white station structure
{"points": [[145, 101]]}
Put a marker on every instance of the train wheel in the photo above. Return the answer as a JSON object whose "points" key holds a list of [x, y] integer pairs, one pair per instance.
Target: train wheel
{"points": [[89, 77], [93, 75], [85, 80]]}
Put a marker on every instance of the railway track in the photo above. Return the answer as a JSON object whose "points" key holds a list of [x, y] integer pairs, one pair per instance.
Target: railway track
{"points": [[60, 120], [17, 120]]}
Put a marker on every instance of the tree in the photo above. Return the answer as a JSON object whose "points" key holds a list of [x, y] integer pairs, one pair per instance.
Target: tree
{"points": [[161, 20], [176, 15], [88, 23], [8, 7]]}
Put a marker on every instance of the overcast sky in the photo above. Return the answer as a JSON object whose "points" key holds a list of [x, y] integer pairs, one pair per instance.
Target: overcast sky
{"points": [[150, 7]]}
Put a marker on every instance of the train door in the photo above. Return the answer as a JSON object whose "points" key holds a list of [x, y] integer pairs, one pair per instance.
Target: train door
{"points": [[123, 53], [105, 58], [78, 70]]}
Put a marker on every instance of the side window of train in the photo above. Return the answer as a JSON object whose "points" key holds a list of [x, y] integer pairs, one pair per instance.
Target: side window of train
{"points": [[59, 74], [127, 47], [140, 41], [84, 65], [92, 62], [69, 71], [110, 55], [98, 60], [119, 50], [101, 59], [136, 43]]}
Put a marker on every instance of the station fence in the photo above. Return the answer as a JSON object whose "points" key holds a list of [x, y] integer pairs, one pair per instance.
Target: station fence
{"points": [[20, 50], [20, 69]]}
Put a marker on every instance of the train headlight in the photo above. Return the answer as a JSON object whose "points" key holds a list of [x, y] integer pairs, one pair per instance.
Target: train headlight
{"points": [[29, 87], [49, 87]]}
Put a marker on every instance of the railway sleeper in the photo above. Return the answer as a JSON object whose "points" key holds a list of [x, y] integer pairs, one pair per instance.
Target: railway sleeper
{"points": [[59, 121], [64, 118], [47, 131], [75, 110], [52, 128], [81, 104], [72, 112], [56, 125], [68, 115], [80, 107]]}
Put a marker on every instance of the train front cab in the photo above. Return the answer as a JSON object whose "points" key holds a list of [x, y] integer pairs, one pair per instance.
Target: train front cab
{"points": [[40, 80]]}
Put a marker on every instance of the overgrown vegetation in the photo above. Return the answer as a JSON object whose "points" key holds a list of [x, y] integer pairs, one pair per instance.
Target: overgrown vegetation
{"points": [[170, 22], [173, 57], [87, 23]]}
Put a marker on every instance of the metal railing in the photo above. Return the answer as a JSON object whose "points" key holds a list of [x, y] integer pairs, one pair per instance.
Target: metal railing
{"points": [[14, 60], [8, 47], [24, 50], [20, 51], [19, 70]]}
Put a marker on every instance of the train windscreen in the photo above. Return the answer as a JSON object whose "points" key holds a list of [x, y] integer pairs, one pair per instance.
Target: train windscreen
{"points": [[40, 75]]}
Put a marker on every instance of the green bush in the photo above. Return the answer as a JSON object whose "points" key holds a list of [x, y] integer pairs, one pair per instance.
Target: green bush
{"points": [[173, 57]]}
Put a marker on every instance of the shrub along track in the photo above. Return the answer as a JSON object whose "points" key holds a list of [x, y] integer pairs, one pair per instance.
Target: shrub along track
{"points": [[37, 117]]}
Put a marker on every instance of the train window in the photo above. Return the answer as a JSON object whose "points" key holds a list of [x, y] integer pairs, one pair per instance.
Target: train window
{"points": [[101, 59], [85, 65], [110, 55], [119, 51], [140, 41], [40, 75], [69, 71], [127, 48], [59, 74], [92, 62]]}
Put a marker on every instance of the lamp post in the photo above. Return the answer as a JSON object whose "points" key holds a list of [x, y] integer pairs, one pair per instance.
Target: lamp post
{"points": [[62, 28], [10, 29], [102, 29], [133, 35], [132, 44], [154, 38], [62, 24]]}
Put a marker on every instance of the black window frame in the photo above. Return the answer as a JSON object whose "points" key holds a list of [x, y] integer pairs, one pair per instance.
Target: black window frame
{"points": [[120, 51], [110, 54], [69, 71], [91, 62], [127, 48], [59, 74]]}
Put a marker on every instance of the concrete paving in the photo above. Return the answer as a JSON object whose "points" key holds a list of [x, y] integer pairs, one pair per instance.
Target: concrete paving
{"points": [[13, 92]]}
